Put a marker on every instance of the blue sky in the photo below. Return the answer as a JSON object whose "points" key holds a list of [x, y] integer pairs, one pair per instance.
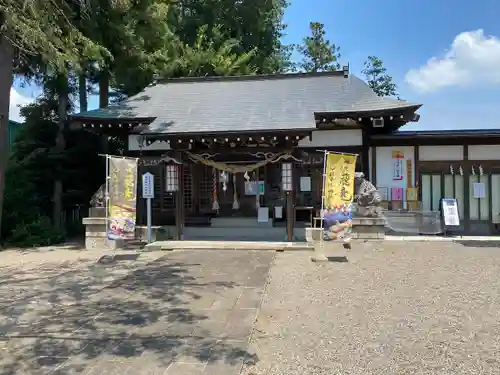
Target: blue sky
{"points": [[459, 89]]}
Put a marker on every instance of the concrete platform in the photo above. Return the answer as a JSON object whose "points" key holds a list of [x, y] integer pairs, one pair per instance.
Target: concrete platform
{"points": [[228, 245]]}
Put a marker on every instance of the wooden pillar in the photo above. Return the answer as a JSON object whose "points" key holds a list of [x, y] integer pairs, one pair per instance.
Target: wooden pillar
{"points": [[179, 199], [373, 175], [365, 156], [267, 188], [290, 215], [466, 168], [416, 171]]}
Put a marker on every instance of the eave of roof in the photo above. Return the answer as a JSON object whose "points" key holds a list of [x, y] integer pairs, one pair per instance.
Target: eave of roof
{"points": [[441, 133], [284, 102]]}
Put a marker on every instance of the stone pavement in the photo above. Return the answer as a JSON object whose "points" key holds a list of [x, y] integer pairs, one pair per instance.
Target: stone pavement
{"points": [[178, 313]]}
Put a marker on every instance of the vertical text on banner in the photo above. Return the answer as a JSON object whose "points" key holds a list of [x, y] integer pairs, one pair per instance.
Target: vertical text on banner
{"points": [[338, 186], [398, 158], [122, 190]]}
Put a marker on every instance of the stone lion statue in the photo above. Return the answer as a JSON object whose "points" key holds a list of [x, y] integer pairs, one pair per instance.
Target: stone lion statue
{"points": [[98, 199], [366, 197]]}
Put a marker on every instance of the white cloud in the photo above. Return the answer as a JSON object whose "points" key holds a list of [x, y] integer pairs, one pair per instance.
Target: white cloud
{"points": [[473, 59], [16, 101]]}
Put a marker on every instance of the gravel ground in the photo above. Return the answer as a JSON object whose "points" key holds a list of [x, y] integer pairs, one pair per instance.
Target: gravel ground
{"points": [[393, 308]]}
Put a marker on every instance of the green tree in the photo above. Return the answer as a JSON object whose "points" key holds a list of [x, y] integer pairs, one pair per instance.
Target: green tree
{"points": [[377, 78], [208, 56], [318, 53], [36, 165], [257, 25], [37, 30], [213, 55], [134, 32]]}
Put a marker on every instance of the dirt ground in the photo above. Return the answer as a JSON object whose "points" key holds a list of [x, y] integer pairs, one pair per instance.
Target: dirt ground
{"points": [[391, 308]]}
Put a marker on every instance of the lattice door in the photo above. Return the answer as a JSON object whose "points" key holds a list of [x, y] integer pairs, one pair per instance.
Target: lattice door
{"points": [[188, 187], [205, 193]]}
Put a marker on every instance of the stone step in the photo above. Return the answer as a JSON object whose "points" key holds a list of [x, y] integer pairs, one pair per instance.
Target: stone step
{"points": [[242, 234], [239, 222], [235, 233], [228, 245]]}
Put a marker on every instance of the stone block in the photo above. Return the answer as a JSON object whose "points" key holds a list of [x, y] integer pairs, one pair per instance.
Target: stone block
{"points": [[368, 232], [313, 234], [89, 233], [97, 212], [102, 242], [158, 233], [368, 221], [94, 221], [94, 243]]}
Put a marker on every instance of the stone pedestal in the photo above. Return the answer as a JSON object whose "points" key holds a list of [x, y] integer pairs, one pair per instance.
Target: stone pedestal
{"points": [[368, 228], [363, 228], [319, 252], [97, 212], [96, 235]]}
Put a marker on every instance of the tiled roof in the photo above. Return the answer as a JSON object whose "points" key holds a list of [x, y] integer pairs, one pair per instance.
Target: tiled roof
{"points": [[250, 103]]}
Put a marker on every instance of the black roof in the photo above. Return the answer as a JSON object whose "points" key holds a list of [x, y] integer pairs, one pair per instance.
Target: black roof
{"points": [[247, 103]]}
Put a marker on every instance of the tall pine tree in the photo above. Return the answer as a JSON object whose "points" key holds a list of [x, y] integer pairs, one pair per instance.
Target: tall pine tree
{"points": [[377, 78], [318, 53]]}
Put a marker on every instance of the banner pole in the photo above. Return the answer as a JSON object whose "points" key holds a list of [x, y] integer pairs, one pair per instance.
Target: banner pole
{"points": [[322, 214], [118, 157], [106, 197], [338, 153]]}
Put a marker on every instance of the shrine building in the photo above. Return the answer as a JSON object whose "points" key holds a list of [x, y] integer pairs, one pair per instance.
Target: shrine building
{"points": [[246, 153]]}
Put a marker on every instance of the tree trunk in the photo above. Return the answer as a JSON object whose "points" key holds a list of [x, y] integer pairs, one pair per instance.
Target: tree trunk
{"points": [[57, 199], [82, 87], [104, 102], [6, 66]]}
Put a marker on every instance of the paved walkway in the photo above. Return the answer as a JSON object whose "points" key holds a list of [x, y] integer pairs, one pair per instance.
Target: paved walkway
{"points": [[179, 313]]}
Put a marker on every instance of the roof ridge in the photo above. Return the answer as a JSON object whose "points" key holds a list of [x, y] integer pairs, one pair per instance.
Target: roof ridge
{"points": [[256, 77]]}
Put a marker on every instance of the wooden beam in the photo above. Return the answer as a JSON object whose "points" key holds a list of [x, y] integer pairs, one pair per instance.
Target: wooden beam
{"points": [[179, 200], [416, 170], [373, 177], [365, 154], [466, 177]]}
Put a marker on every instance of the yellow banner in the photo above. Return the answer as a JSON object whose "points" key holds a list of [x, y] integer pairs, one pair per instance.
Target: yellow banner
{"points": [[338, 187]]}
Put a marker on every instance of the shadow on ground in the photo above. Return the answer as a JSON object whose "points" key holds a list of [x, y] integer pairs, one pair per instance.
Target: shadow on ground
{"points": [[122, 316], [342, 259], [479, 243]]}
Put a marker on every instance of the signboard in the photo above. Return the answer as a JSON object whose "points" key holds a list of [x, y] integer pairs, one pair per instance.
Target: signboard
{"points": [[396, 194], [305, 183], [409, 173], [122, 185], [263, 215], [479, 190], [148, 186], [254, 187], [450, 212], [398, 158]]}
